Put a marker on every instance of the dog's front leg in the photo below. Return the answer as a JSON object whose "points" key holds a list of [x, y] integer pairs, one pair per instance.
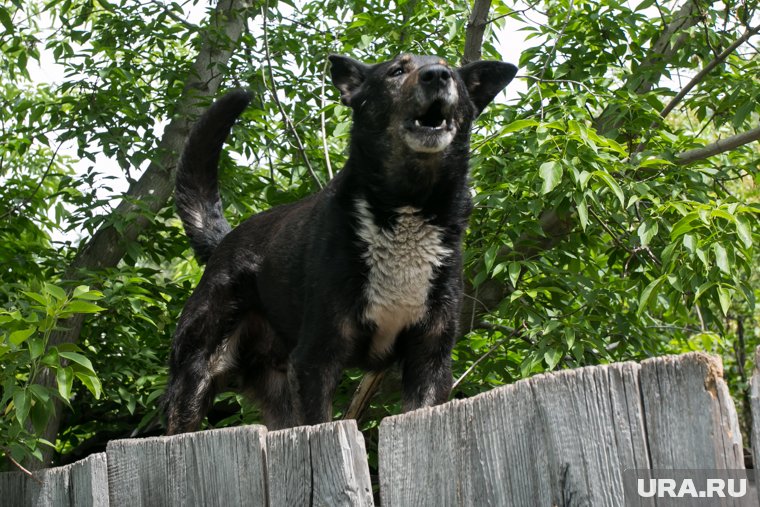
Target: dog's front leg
{"points": [[426, 370]]}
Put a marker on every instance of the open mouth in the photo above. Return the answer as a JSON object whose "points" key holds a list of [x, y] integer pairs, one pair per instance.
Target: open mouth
{"points": [[433, 118], [431, 131]]}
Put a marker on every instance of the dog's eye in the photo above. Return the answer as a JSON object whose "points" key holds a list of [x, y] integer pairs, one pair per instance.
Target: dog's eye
{"points": [[396, 72]]}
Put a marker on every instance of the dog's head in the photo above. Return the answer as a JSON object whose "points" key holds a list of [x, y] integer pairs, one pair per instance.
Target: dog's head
{"points": [[418, 100]]}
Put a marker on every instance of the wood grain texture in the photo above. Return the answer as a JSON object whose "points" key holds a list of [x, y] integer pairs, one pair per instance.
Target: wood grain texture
{"points": [[339, 465], [754, 400], [561, 439], [222, 467], [81, 484], [690, 417], [289, 467], [318, 465], [564, 438]]}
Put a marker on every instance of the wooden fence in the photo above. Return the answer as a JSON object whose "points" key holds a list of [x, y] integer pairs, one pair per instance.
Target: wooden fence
{"points": [[552, 440]]}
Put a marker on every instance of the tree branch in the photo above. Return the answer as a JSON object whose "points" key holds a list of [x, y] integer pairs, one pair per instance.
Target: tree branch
{"points": [[706, 70], [698, 78], [648, 73], [476, 28], [718, 147]]}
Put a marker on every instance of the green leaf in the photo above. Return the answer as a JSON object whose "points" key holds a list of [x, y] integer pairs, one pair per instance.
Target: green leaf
{"points": [[39, 415], [40, 392], [647, 230], [724, 296], [489, 256], [723, 214], [690, 243], [612, 185], [91, 382], [65, 378], [721, 258], [551, 174], [5, 19], [55, 291], [552, 357], [702, 289], [36, 347], [84, 292], [569, 337], [684, 225], [644, 5], [649, 292], [514, 273], [518, 125], [744, 230], [78, 359], [37, 297], [22, 402], [20, 336], [583, 213], [82, 307]]}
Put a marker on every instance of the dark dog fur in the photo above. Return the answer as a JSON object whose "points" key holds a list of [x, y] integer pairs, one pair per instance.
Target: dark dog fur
{"points": [[362, 273]]}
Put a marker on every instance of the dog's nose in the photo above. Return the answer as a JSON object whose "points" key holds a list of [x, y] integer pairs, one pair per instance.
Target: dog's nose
{"points": [[433, 75]]}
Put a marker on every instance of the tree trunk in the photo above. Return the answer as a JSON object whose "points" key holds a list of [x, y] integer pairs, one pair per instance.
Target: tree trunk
{"points": [[108, 246]]}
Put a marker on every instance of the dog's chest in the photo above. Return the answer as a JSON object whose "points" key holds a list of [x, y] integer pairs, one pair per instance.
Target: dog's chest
{"points": [[402, 261]]}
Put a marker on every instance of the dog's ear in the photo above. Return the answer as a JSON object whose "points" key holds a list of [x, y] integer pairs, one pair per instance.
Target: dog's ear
{"points": [[347, 76], [485, 79]]}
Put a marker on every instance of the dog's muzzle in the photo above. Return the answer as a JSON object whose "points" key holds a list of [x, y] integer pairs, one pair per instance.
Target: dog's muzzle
{"points": [[431, 127]]}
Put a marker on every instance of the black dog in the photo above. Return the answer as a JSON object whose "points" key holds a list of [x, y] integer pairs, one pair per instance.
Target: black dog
{"points": [[363, 273]]}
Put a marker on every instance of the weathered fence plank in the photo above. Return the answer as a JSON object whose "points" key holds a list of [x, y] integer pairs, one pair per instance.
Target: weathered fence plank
{"points": [[686, 402], [318, 465], [222, 467], [754, 401], [434, 444], [564, 438], [289, 467], [543, 441], [81, 484], [556, 439]]}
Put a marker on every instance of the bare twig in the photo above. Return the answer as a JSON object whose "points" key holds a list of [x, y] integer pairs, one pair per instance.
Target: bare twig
{"points": [[472, 367], [322, 121], [39, 183], [21, 467], [367, 388], [285, 118], [558, 39], [543, 80]]}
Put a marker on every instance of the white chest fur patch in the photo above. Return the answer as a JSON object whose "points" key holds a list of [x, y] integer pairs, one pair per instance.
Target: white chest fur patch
{"points": [[401, 263]]}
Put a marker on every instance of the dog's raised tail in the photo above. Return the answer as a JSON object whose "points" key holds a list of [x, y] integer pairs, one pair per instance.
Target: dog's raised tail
{"points": [[199, 205]]}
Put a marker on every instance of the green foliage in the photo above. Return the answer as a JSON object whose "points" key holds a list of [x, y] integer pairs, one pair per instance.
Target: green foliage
{"points": [[26, 353], [590, 241]]}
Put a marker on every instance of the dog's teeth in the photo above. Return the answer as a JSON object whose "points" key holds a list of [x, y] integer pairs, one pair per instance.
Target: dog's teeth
{"points": [[417, 123], [443, 124]]}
